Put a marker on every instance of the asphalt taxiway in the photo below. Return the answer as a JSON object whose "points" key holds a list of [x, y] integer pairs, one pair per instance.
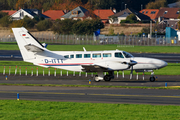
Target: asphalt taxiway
{"points": [[97, 95], [84, 94]]}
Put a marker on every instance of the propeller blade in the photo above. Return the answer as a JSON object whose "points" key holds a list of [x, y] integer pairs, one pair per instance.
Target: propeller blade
{"points": [[131, 74]]}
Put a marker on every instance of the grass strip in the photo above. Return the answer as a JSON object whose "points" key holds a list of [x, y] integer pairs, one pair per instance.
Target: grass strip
{"points": [[128, 48], [91, 86], [170, 69], [46, 110]]}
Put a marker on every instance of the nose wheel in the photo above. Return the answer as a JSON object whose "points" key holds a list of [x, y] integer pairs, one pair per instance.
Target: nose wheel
{"points": [[152, 78]]}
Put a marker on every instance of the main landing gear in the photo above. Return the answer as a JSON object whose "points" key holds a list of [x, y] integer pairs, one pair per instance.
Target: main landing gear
{"points": [[101, 76]]}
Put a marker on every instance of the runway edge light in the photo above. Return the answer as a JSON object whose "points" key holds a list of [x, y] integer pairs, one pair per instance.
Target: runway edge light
{"points": [[166, 84], [17, 96], [89, 81]]}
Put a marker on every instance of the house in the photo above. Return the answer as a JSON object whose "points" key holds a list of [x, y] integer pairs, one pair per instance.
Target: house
{"points": [[152, 13], [78, 13], [167, 13], [10, 12], [21, 13], [54, 14], [104, 14], [116, 18]]}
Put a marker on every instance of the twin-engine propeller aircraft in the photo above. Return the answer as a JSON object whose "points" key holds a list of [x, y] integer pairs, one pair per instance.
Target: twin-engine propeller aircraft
{"points": [[88, 61]]}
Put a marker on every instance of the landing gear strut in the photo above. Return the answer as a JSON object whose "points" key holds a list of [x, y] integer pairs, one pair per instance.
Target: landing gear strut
{"points": [[152, 78]]}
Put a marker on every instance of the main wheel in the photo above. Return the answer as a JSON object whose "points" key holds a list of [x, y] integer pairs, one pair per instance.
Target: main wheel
{"points": [[96, 79], [107, 78], [152, 79]]}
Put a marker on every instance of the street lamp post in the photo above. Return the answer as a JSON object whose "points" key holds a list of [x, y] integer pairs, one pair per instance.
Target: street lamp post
{"points": [[125, 6]]}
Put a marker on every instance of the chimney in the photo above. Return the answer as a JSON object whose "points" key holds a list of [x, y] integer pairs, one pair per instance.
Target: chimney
{"points": [[114, 10], [42, 10]]}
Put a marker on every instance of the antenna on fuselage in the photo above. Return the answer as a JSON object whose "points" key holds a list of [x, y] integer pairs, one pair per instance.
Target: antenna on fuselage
{"points": [[84, 49]]}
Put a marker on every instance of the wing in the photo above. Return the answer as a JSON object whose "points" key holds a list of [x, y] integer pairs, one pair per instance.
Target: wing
{"points": [[94, 68]]}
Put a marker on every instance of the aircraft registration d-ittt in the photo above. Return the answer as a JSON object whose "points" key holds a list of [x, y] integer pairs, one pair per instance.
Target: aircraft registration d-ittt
{"points": [[87, 61]]}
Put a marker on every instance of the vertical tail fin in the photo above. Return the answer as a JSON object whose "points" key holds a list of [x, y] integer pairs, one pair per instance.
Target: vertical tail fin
{"points": [[24, 38]]}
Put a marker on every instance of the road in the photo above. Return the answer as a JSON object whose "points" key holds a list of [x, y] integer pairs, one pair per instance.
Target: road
{"points": [[170, 58]]}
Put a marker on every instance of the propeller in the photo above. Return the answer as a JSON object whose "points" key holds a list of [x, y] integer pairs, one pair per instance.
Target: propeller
{"points": [[131, 64]]}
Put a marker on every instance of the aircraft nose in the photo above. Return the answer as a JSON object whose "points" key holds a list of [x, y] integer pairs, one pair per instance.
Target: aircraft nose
{"points": [[163, 64]]}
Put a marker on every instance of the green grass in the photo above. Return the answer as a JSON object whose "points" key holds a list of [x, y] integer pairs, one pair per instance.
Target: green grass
{"points": [[143, 49], [44, 110], [170, 69], [92, 86]]}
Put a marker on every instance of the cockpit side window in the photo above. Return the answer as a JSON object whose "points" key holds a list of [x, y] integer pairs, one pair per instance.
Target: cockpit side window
{"points": [[127, 55], [119, 55]]}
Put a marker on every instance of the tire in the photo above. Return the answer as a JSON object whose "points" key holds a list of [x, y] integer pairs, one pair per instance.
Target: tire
{"points": [[152, 79], [96, 78], [107, 78]]}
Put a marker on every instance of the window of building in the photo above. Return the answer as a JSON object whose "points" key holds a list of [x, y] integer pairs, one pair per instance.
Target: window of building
{"points": [[177, 12], [97, 55], [165, 12], [146, 12], [78, 55], [106, 54], [119, 55], [71, 56], [87, 55], [142, 12]]}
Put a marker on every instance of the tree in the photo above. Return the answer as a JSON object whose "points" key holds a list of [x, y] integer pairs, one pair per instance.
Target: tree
{"points": [[87, 27], [2, 14], [18, 23], [130, 19], [44, 25], [157, 4], [63, 26], [5, 21], [29, 22]]}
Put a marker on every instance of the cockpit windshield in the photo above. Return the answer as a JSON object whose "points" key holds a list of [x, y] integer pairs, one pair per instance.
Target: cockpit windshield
{"points": [[127, 55]]}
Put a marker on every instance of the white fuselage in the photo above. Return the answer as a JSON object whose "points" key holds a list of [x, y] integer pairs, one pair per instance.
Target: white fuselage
{"points": [[73, 60]]}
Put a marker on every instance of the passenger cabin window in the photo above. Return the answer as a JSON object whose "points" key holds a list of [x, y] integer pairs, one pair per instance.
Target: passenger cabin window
{"points": [[66, 56], [71, 56], [78, 55], [106, 54], [97, 55], [119, 55], [87, 55], [127, 55]]}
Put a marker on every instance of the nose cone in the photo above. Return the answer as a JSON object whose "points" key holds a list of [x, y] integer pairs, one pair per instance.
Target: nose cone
{"points": [[163, 64]]}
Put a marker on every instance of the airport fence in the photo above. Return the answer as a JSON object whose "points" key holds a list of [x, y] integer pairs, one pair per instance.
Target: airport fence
{"points": [[101, 40]]}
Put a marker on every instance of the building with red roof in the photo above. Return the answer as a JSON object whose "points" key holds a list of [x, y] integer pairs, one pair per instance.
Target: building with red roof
{"points": [[104, 14], [10, 12], [54, 14], [152, 13]]}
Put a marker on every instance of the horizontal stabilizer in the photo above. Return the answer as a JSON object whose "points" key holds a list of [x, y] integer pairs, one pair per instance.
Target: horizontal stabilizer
{"points": [[33, 48]]}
